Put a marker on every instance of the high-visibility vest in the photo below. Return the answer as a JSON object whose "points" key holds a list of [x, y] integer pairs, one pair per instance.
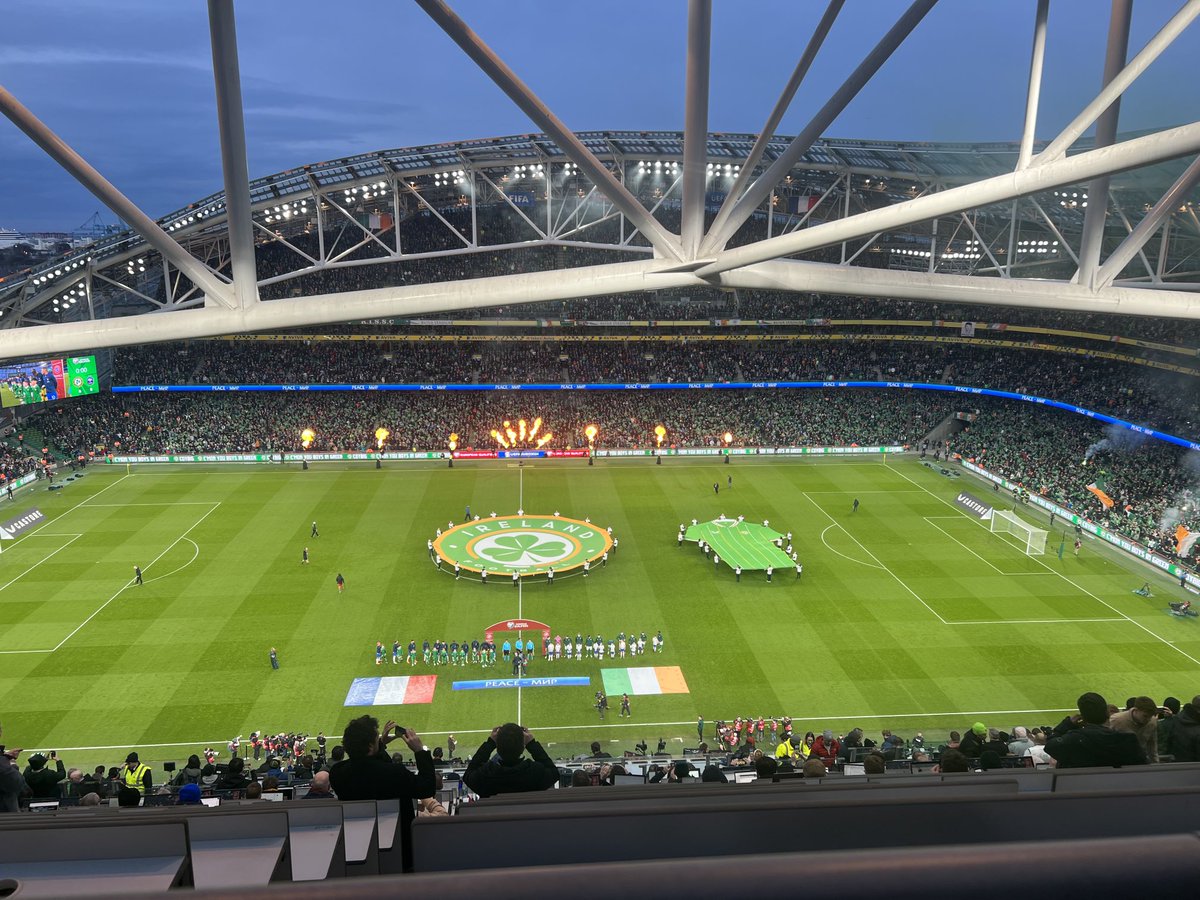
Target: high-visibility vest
{"points": [[136, 777]]}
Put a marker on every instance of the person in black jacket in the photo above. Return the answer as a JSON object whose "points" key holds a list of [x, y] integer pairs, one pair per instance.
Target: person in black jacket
{"points": [[972, 741], [1185, 740], [43, 782], [234, 777], [12, 785], [1085, 740], [509, 772], [368, 772]]}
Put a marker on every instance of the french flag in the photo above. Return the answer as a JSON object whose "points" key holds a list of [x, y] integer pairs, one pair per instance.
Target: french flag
{"points": [[391, 691]]}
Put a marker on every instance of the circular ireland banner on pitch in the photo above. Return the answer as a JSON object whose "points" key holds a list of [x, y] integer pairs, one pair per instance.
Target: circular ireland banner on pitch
{"points": [[527, 545]]}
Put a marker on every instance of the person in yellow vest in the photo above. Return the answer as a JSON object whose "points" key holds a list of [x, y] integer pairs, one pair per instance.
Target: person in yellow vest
{"points": [[136, 775], [786, 750]]}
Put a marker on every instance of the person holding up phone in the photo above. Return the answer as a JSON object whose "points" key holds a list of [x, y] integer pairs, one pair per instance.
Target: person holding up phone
{"points": [[368, 772], [43, 782]]}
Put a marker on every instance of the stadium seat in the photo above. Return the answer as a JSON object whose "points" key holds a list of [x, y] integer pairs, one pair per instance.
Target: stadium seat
{"points": [[73, 857], [747, 824], [241, 847]]}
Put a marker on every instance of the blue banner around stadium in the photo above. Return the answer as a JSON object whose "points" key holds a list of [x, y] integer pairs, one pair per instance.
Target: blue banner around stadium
{"points": [[664, 386], [494, 683]]}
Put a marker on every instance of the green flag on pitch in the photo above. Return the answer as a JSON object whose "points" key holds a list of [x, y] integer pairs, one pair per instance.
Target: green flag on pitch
{"points": [[1061, 547]]}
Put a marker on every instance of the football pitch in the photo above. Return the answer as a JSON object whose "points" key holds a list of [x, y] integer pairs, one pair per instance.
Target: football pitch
{"points": [[909, 614]]}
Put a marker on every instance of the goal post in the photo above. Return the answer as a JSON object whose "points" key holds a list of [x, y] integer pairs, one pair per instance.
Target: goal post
{"points": [[1032, 540]]}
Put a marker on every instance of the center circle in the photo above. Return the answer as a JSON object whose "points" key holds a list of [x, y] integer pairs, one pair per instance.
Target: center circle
{"points": [[522, 544]]}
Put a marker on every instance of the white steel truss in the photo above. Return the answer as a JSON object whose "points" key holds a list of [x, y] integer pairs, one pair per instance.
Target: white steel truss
{"points": [[1001, 225]]}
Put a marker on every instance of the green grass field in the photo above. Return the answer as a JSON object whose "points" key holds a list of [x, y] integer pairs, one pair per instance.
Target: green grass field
{"points": [[909, 614]]}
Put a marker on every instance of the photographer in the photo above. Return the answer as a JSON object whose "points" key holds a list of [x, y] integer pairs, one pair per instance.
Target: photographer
{"points": [[508, 772], [368, 773], [43, 782]]}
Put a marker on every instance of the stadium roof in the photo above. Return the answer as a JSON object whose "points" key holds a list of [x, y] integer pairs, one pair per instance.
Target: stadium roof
{"points": [[1064, 223]]}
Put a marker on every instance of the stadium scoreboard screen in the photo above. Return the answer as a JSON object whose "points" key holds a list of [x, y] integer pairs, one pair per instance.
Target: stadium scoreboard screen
{"points": [[46, 380]]}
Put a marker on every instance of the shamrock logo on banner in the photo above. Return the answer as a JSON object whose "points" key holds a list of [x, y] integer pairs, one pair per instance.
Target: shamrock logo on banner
{"points": [[523, 548]]}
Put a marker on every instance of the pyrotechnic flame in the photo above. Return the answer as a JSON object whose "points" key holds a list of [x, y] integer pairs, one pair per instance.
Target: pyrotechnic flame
{"points": [[521, 429], [500, 438], [537, 426], [307, 436], [381, 435], [545, 439]]}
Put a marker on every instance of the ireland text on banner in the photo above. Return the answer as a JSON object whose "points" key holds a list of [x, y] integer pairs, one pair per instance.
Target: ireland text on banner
{"points": [[392, 691], [644, 680]]}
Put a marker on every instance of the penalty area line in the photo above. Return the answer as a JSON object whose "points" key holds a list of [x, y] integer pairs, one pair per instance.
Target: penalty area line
{"points": [[131, 582], [881, 564], [1074, 584]]}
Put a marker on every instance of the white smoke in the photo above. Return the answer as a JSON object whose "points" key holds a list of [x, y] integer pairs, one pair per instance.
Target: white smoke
{"points": [[1184, 502], [1117, 439]]}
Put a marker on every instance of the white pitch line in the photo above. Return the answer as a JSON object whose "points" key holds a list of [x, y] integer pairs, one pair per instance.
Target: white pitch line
{"points": [[1078, 587], [862, 493], [857, 562], [195, 554], [881, 565], [593, 726], [982, 559], [520, 591], [73, 539], [520, 588], [76, 506], [1036, 621], [124, 587], [156, 503]]}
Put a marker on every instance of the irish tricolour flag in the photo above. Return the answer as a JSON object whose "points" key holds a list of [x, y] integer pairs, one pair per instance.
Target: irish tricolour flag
{"points": [[391, 691], [644, 680]]}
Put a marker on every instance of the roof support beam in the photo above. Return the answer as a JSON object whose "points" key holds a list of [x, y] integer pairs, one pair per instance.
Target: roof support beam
{"points": [[1177, 24], [1035, 83], [227, 75], [1162, 210], [1132, 154], [695, 125], [104, 191], [594, 281], [663, 241], [721, 232], [1106, 132], [781, 107]]}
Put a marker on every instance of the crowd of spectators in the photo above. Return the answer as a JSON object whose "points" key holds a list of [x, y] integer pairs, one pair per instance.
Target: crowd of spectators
{"points": [[1154, 483], [1138, 393], [264, 422], [1155, 486], [511, 760], [15, 461]]}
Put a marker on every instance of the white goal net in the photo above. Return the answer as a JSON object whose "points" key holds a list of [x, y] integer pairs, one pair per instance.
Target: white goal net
{"points": [[1032, 540]]}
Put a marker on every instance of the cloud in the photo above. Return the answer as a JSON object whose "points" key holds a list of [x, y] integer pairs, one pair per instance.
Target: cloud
{"points": [[317, 114], [76, 56]]}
